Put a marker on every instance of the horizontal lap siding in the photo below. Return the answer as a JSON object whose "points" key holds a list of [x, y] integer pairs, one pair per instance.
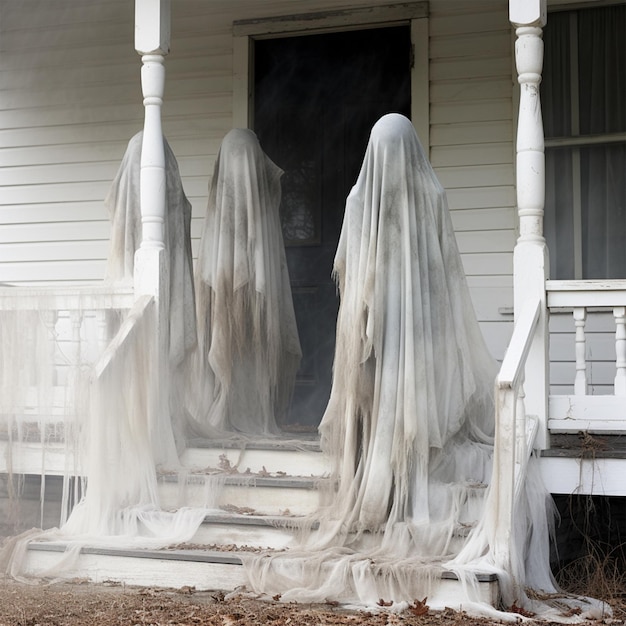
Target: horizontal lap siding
{"points": [[70, 99], [471, 149]]}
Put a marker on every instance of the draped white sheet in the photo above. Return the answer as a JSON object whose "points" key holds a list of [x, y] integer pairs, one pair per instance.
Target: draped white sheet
{"points": [[123, 205], [410, 419], [243, 373], [124, 429]]}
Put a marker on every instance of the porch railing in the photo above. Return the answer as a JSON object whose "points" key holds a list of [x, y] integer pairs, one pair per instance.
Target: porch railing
{"points": [[515, 434], [595, 404], [50, 340]]}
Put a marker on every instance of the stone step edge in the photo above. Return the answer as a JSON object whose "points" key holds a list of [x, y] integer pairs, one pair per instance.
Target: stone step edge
{"points": [[271, 445], [249, 480], [198, 556], [288, 445], [271, 521]]}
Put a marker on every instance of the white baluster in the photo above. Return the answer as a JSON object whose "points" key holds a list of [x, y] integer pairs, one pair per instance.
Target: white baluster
{"points": [[102, 331], [76, 321], [50, 321], [620, 350], [580, 382]]}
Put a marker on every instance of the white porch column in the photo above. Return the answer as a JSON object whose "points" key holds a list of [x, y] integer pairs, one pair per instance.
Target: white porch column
{"points": [[152, 34], [152, 42], [530, 258]]}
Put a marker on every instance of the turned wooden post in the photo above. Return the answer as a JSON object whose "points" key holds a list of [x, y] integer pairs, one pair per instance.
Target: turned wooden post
{"points": [[530, 257], [152, 31], [152, 42]]}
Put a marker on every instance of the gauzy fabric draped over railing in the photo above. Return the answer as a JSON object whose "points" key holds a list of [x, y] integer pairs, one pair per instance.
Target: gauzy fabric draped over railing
{"points": [[585, 184], [126, 434], [123, 205], [243, 373], [410, 419]]}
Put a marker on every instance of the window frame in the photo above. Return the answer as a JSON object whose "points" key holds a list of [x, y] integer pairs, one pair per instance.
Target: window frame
{"points": [[575, 140]]}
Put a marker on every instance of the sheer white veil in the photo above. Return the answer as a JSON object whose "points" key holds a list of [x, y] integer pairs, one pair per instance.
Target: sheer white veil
{"points": [[249, 349], [410, 420]]}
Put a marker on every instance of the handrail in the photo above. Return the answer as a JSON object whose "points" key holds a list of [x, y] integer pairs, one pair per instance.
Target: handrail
{"points": [[143, 305], [512, 366], [99, 296], [586, 293], [510, 427]]}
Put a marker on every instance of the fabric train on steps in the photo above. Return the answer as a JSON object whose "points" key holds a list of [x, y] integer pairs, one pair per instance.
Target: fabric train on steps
{"points": [[410, 420]]}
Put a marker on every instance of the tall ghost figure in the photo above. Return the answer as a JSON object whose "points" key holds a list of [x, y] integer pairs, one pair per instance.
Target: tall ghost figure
{"points": [[410, 419], [123, 204], [412, 374], [248, 341]]}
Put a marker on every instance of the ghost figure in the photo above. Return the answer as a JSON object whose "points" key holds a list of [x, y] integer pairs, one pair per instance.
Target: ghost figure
{"points": [[412, 373], [249, 349], [123, 204], [409, 423]]}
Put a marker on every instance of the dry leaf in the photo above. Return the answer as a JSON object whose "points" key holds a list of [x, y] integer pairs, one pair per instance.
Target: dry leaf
{"points": [[575, 610], [419, 607], [382, 602], [521, 611]]}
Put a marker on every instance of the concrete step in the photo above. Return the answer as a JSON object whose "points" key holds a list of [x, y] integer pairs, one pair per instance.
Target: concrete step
{"points": [[200, 569], [292, 457], [249, 493], [287, 456], [254, 531]]}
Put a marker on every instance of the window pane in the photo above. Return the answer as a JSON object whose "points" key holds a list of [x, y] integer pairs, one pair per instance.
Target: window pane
{"points": [[585, 185], [603, 188], [559, 214], [602, 70], [556, 83]]}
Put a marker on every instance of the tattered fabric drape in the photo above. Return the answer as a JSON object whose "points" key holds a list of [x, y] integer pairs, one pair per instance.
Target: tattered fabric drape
{"points": [[249, 349], [410, 420]]}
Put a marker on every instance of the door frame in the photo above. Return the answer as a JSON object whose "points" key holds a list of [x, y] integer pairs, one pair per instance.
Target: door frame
{"points": [[414, 14]]}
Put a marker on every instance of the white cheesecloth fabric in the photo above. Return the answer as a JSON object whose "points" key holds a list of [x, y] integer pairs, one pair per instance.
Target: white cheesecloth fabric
{"points": [[123, 205], [128, 431], [410, 420], [243, 373]]}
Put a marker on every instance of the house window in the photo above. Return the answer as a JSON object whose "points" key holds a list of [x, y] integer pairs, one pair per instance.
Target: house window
{"points": [[584, 111]]}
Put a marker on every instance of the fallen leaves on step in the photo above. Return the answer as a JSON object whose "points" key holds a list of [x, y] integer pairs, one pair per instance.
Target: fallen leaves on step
{"points": [[520, 610], [419, 607], [241, 510]]}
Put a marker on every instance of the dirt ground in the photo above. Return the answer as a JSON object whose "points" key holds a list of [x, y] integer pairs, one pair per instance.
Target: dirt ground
{"points": [[73, 604]]}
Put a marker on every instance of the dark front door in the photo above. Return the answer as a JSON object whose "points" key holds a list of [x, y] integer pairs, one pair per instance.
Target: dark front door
{"points": [[316, 99]]}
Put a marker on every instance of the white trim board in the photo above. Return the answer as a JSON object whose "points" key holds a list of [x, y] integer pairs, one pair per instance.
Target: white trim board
{"points": [[413, 13]]}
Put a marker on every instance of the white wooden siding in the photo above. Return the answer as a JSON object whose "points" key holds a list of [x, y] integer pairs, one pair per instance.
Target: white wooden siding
{"points": [[70, 99], [471, 137]]}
